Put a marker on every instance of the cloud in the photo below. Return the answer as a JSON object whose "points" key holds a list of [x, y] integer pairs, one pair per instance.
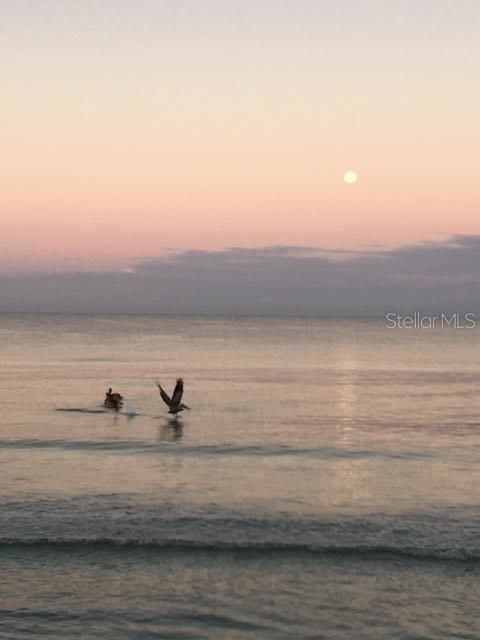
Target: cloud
{"points": [[426, 277]]}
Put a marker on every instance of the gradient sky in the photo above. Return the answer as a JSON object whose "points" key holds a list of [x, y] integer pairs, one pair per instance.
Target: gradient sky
{"points": [[132, 126]]}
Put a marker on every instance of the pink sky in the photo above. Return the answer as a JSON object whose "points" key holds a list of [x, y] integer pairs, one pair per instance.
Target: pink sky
{"points": [[126, 133]]}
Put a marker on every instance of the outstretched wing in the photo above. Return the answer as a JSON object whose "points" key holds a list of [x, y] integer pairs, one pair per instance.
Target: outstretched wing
{"points": [[177, 393], [164, 395]]}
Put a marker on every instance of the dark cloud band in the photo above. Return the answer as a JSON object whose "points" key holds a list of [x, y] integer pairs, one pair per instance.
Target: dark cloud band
{"points": [[430, 277]]}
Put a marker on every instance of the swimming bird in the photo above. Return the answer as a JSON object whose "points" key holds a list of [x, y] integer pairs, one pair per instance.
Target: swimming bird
{"points": [[113, 400], [175, 404]]}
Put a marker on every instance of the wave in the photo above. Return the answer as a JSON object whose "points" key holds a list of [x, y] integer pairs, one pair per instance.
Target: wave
{"points": [[111, 522], [142, 446], [245, 548]]}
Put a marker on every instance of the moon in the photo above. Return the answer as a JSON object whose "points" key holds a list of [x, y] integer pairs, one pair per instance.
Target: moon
{"points": [[350, 177]]}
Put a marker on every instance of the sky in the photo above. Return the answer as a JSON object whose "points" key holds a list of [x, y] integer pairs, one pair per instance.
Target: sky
{"points": [[134, 130]]}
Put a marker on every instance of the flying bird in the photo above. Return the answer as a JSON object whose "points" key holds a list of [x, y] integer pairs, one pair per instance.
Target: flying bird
{"points": [[175, 404]]}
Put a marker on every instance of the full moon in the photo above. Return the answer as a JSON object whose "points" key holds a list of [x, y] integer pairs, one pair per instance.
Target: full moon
{"points": [[350, 177]]}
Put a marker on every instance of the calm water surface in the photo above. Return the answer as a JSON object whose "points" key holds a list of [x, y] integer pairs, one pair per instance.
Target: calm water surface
{"points": [[324, 485]]}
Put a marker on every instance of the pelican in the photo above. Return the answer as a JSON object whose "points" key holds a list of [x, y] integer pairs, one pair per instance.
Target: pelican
{"points": [[113, 400], [175, 405]]}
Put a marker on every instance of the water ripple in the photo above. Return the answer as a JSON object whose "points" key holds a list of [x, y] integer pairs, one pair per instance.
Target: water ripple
{"points": [[145, 447]]}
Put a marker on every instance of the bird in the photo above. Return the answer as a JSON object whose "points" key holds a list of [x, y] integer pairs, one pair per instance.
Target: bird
{"points": [[175, 404], [113, 400]]}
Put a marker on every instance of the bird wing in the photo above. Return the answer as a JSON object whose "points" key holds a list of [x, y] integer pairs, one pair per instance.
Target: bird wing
{"points": [[164, 395], [177, 393]]}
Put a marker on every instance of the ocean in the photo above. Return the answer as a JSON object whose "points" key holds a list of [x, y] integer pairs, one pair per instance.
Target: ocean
{"points": [[325, 484]]}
